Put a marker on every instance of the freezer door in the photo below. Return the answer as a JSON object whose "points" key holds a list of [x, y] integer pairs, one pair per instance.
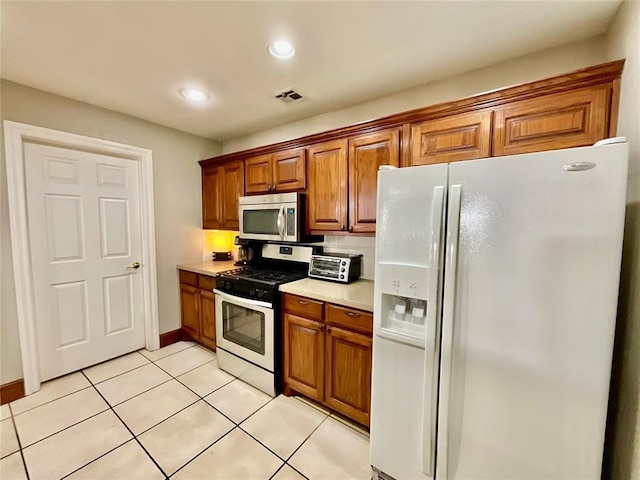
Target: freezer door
{"points": [[527, 342], [409, 234]]}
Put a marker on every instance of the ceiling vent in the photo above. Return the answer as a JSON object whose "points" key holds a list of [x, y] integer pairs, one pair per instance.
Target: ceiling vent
{"points": [[288, 95]]}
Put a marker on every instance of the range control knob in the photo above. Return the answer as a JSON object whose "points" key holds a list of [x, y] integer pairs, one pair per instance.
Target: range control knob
{"points": [[261, 293], [228, 285], [252, 292], [342, 269], [341, 277], [344, 262]]}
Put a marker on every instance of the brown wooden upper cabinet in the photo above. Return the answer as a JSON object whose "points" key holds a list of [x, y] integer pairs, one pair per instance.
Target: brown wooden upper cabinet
{"points": [[222, 185], [571, 110], [277, 172], [449, 139], [366, 154], [564, 120], [327, 189]]}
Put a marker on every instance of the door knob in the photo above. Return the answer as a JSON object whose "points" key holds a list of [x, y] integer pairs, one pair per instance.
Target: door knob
{"points": [[134, 265]]}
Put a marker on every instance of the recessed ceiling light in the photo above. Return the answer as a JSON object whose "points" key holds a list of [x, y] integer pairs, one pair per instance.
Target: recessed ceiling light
{"points": [[282, 49], [194, 95]]}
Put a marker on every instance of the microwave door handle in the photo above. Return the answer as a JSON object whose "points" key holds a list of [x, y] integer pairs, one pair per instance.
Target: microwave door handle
{"points": [[281, 222]]}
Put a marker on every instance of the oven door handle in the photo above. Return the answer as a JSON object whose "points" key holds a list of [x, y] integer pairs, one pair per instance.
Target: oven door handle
{"points": [[242, 300]]}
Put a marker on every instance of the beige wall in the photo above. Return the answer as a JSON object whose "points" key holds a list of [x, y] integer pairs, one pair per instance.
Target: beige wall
{"points": [[512, 72], [623, 462], [176, 176]]}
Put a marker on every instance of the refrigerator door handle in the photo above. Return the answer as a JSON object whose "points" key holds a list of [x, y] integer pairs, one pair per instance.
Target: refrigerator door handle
{"points": [[430, 387], [448, 310]]}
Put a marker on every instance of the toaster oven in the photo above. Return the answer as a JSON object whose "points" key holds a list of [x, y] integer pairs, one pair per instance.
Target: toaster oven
{"points": [[338, 267]]}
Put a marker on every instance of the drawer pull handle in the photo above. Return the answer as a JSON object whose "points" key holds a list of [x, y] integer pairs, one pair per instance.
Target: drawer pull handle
{"points": [[309, 331], [302, 302], [351, 314]]}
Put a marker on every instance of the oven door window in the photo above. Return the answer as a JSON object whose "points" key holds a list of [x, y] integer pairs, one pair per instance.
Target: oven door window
{"points": [[244, 327], [261, 221]]}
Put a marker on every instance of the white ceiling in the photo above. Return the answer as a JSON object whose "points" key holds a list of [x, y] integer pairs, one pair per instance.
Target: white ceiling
{"points": [[134, 57]]}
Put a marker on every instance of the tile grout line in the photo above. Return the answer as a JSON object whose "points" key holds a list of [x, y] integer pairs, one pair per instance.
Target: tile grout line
{"points": [[97, 458], [236, 425], [296, 470], [91, 383], [110, 360], [109, 407], [15, 429], [187, 371], [207, 448], [199, 397], [166, 356], [66, 428], [305, 440], [51, 401], [131, 432]]}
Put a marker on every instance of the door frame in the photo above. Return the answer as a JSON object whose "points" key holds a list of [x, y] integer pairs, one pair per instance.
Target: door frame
{"points": [[15, 135]]}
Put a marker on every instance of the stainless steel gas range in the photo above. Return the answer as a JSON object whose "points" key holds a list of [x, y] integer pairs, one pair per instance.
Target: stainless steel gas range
{"points": [[248, 320]]}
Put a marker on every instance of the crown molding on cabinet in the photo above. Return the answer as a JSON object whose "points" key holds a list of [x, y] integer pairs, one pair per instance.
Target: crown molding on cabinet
{"points": [[606, 72]]}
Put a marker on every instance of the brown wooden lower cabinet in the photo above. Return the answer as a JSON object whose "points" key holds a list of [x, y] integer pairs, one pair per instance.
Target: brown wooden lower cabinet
{"points": [[328, 364], [198, 309], [304, 355], [348, 373], [208, 318]]}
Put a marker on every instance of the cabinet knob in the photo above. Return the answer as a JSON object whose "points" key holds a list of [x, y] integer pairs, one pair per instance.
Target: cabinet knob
{"points": [[351, 314], [351, 228], [341, 227], [303, 302]]}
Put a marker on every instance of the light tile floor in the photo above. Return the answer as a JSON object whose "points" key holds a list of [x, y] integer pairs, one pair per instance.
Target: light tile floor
{"points": [[173, 413]]}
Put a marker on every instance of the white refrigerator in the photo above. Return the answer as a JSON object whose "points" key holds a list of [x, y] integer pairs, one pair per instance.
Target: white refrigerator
{"points": [[496, 287]]}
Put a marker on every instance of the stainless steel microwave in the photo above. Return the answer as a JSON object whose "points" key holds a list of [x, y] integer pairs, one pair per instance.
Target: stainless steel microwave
{"points": [[276, 217]]}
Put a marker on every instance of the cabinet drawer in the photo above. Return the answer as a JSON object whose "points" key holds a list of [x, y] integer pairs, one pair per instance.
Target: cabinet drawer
{"points": [[350, 319], [303, 307], [206, 283], [189, 278]]}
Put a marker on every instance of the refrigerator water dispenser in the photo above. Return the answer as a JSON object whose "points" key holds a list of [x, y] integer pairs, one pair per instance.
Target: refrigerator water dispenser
{"points": [[404, 315]]}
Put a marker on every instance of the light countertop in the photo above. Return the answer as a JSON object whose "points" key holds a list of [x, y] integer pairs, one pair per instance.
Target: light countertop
{"points": [[358, 294], [208, 267]]}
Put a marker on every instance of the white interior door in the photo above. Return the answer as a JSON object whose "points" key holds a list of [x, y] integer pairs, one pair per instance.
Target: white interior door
{"points": [[84, 233]]}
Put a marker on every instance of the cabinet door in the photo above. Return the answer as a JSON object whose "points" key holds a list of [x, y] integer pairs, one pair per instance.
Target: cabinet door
{"points": [[457, 137], [207, 318], [289, 170], [327, 190], [348, 373], [304, 356], [563, 120], [190, 306], [233, 181], [211, 197], [366, 154], [258, 174]]}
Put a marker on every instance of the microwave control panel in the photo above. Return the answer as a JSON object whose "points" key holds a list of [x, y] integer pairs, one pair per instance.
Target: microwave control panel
{"points": [[291, 221]]}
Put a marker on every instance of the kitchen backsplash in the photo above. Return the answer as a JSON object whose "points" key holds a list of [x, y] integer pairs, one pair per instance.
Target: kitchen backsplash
{"points": [[352, 244], [331, 244]]}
